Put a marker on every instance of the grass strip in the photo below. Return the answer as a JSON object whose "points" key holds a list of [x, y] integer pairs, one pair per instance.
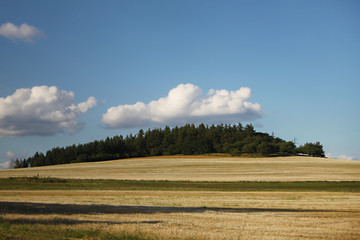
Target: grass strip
{"points": [[38, 183], [14, 229]]}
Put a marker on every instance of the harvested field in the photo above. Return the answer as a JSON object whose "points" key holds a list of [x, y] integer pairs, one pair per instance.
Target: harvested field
{"points": [[189, 215], [208, 199], [203, 169], [221, 198]]}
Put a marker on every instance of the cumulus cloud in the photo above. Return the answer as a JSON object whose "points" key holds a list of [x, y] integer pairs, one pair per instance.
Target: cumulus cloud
{"points": [[23, 32], [185, 103], [41, 110], [6, 165], [344, 157]]}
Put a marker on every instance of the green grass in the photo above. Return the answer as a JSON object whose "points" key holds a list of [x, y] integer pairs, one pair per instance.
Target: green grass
{"points": [[38, 183], [15, 229]]}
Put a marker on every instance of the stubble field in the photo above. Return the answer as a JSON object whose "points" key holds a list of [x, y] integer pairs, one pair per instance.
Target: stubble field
{"points": [[203, 168], [283, 207]]}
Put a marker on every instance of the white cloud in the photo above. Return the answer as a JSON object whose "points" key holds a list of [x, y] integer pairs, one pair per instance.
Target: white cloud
{"points": [[185, 103], [344, 157], [23, 32], [5, 165], [10, 156], [41, 110]]}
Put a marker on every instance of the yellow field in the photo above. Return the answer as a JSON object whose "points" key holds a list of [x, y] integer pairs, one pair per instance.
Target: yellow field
{"points": [[267, 200], [196, 215], [193, 214], [203, 169]]}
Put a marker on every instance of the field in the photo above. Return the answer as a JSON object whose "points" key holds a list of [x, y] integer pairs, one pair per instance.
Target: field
{"points": [[184, 198], [203, 169]]}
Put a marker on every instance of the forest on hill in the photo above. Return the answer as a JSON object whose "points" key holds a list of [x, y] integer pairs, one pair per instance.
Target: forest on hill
{"points": [[189, 139]]}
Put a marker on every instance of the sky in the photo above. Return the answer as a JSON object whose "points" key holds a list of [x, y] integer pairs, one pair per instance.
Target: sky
{"points": [[76, 71]]}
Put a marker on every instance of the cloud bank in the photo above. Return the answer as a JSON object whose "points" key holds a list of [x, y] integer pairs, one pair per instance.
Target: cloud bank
{"points": [[23, 32], [10, 156], [41, 111], [183, 104], [5, 165], [344, 157]]}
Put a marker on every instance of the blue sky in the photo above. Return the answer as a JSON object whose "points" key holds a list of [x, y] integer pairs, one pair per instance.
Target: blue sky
{"points": [[288, 67]]}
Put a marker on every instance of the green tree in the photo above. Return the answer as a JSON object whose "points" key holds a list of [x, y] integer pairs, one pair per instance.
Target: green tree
{"points": [[249, 148], [236, 148], [286, 148], [154, 142], [188, 139], [203, 143], [264, 148], [140, 144], [21, 163], [249, 130], [312, 149]]}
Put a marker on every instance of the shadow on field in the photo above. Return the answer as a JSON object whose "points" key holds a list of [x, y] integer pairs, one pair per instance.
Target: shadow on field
{"points": [[65, 221], [68, 209]]}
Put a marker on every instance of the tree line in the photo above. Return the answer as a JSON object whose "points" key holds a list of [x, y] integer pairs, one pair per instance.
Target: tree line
{"points": [[189, 139]]}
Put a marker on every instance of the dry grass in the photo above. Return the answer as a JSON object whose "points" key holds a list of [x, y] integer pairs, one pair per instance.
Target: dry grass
{"points": [[191, 214], [203, 169], [213, 225], [266, 200], [199, 215]]}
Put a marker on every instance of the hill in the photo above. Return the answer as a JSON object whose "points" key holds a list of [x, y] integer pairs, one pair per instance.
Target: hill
{"points": [[186, 140], [202, 168]]}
